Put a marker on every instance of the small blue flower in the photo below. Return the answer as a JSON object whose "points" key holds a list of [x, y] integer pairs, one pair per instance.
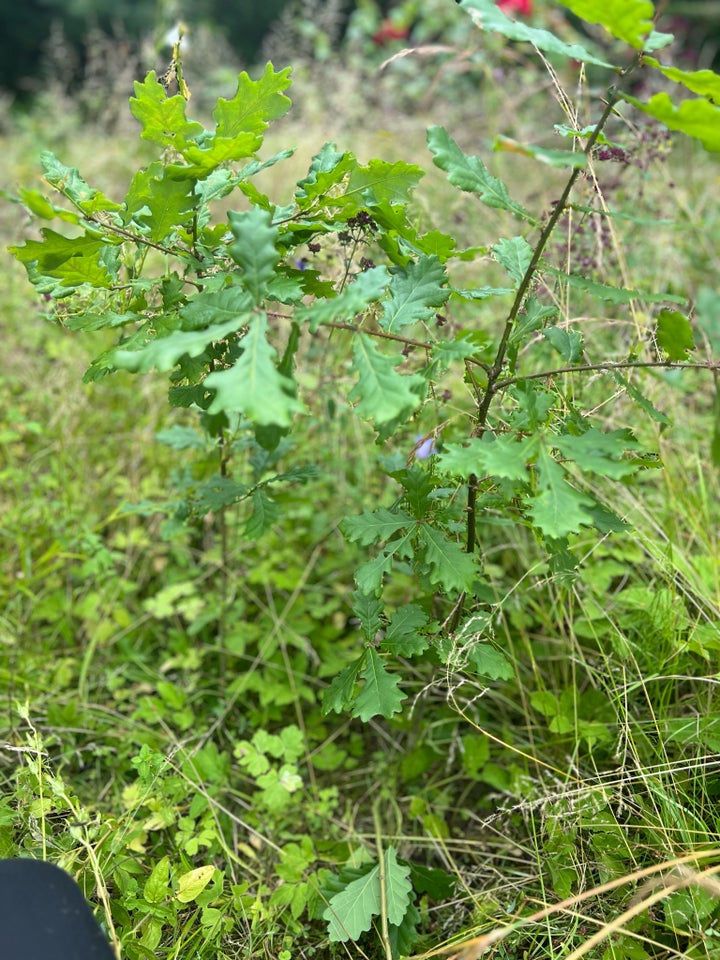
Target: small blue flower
{"points": [[426, 449]]}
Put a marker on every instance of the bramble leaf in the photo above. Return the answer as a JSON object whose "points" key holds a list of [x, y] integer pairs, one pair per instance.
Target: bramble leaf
{"points": [[382, 393], [628, 20], [253, 385], [674, 335], [380, 694], [415, 294], [254, 249], [469, 173], [487, 16], [450, 566]]}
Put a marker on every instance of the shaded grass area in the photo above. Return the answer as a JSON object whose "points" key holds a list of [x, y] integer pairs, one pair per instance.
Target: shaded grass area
{"points": [[141, 746]]}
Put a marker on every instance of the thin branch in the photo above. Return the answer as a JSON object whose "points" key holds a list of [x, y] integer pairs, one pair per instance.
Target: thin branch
{"points": [[610, 365]]}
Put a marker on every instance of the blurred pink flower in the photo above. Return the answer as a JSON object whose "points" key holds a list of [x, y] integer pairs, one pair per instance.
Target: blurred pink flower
{"points": [[523, 7]]}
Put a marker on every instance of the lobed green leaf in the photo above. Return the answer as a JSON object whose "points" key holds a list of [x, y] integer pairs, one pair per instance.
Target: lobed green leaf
{"points": [[382, 393], [415, 294], [253, 386], [380, 694], [450, 566], [254, 249]]}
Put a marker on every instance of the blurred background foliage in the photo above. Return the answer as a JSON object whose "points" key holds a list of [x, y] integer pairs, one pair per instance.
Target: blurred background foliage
{"points": [[140, 28]]}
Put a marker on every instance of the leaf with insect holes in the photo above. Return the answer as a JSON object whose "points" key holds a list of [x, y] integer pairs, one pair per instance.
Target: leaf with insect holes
{"points": [[488, 16], [163, 118], [515, 255], [253, 385], [628, 20], [469, 173], [403, 637], [450, 566], [164, 352], [192, 883], [70, 184], [382, 393], [379, 694], [674, 335], [558, 509], [254, 249], [367, 288], [415, 294], [697, 118]]}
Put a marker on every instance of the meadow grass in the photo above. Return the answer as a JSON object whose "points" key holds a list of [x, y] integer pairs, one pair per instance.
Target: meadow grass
{"points": [[574, 805]]}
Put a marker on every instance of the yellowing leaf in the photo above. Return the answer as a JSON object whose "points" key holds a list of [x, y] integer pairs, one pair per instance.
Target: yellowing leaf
{"points": [[192, 883]]}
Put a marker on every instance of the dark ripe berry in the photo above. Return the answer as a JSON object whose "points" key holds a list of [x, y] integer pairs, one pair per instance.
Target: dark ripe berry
{"points": [[366, 263], [314, 247], [440, 319]]}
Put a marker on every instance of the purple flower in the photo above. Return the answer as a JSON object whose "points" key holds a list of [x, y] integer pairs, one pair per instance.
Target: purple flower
{"points": [[424, 448]]}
